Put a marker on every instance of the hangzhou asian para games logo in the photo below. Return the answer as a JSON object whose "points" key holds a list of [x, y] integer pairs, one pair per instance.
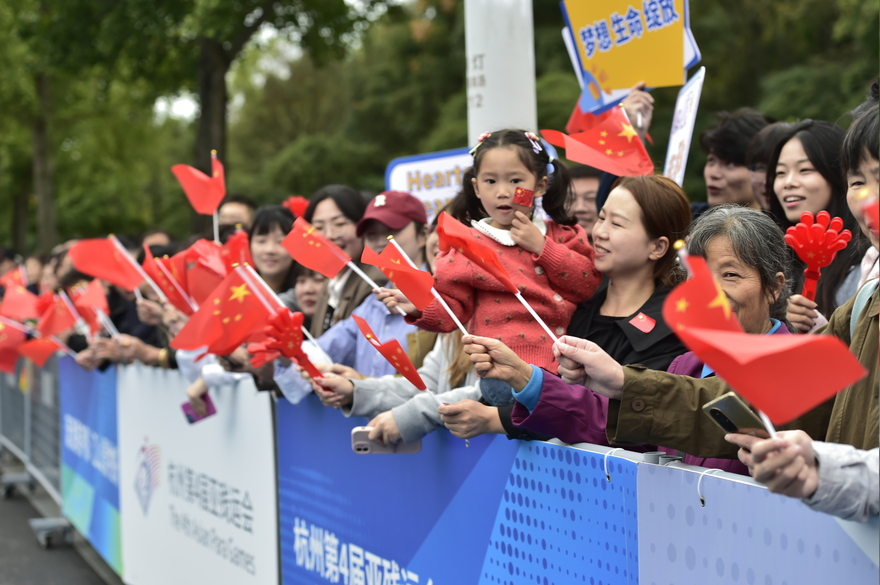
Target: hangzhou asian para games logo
{"points": [[146, 479]]}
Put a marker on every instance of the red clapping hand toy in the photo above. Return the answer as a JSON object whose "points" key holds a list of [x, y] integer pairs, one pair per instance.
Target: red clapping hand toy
{"points": [[285, 336], [261, 355], [816, 243]]}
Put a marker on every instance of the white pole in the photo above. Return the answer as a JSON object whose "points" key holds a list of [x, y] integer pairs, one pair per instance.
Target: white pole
{"points": [[500, 48]]}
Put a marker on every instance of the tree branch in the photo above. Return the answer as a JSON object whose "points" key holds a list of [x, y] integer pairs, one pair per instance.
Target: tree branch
{"points": [[239, 42]]}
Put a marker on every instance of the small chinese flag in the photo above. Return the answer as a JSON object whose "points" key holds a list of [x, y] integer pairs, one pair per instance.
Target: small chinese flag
{"points": [[613, 146], [643, 323], [232, 315], [19, 303], [104, 259], [56, 319], [284, 331], [699, 302], [393, 352], [14, 277], [11, 337], [414, 283], [236, 250], [816, 366], [203, 269], [204, 193], [88, 300], [162, 277], [311, 249], [523, 196], [454, 234], [44, 301], [39, 350]]}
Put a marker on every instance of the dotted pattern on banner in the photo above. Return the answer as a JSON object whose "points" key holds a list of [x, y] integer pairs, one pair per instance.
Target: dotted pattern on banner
{"points": [[560, 521], [744, 534]]}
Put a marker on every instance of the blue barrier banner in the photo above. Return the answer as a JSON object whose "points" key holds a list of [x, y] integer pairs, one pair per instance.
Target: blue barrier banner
{"points": [[89, 456], [499, 512]]}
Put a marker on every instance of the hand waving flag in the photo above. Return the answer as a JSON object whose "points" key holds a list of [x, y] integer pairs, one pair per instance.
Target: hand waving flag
{"points": [[700, 314]]}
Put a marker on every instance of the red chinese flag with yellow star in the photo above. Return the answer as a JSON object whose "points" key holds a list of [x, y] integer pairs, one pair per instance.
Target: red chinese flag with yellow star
{"points": [[816, 366], [311, 249], [88, 300], [57, 319], [8, 359], [14, 277], [237, 250], [613, 146], [11, 336], [204, 193], [203, 269], [393, 352], [414, 283], [39, 350], [160, 274], [19, 303], [102, 258], [232, 315], [454, 234]]}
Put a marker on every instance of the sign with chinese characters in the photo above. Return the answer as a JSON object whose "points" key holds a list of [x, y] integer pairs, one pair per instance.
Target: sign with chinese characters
{"points": [[197, 502], [683, 127], [622, 42]]}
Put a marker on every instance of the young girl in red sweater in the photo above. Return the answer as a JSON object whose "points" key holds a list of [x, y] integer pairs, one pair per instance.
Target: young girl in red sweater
{"points": [[550, 260]]}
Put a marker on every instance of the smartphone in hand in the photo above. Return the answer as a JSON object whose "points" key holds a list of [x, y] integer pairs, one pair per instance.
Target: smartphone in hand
{"points": [[192, 416], [734, 416], [362, 445]]}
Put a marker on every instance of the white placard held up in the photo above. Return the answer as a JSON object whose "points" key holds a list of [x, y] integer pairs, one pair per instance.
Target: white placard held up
{"points": [[683, 127]]}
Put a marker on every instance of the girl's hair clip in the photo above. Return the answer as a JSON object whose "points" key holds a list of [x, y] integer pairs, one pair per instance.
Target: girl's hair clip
{"points": [[480, 140], [536, 144]]}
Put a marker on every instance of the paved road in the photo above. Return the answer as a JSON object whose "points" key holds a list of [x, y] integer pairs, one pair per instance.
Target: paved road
{"points": [[23, 562]]}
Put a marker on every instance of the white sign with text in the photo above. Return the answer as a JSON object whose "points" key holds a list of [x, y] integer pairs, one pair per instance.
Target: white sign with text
{"points": [[197, 502]]}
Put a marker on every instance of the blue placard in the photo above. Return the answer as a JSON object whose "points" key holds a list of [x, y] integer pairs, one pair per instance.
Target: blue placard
{"points": [[89, 456]]}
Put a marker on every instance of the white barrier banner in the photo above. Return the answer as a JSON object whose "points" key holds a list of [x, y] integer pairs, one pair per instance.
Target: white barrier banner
{"points": [[197, 502]]}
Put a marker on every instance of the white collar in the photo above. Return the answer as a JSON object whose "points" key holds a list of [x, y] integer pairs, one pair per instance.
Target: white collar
{"points": [[503, 237]]}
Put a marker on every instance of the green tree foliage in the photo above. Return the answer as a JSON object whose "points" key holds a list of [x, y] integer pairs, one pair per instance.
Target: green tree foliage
{"points": [[302, 119]]}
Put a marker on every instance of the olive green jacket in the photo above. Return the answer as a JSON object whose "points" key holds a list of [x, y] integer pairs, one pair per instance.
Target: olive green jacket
{"points": [[658, 408]]}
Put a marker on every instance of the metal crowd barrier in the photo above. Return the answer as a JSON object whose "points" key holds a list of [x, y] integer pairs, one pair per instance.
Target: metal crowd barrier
{"points": [[30, 431]]}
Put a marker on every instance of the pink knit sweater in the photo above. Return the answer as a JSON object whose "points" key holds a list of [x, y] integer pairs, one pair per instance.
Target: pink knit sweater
{"points": [[552, 283]]}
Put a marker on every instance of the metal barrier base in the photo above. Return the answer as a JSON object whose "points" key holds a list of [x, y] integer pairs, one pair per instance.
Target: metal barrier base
{"points": [[52, 530], [9, 481]]}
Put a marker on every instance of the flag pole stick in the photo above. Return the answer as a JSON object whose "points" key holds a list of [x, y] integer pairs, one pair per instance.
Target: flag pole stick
{"points": [[138, 267], [536, 317], [369, 281], [189, 300], [64, 347], [767, 423], [433, 290], [216, 222], [16, 325]]}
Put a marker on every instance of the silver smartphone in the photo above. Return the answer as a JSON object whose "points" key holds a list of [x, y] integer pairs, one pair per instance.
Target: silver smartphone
{"points": [[734, 416], [362, 445]]}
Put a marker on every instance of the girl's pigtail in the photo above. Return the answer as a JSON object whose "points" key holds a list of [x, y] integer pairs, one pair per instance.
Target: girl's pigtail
{"points": [[558, 192]]}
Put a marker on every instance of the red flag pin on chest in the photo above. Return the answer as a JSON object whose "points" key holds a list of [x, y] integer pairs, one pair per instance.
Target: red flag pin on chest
{"points": [[643, 323]]}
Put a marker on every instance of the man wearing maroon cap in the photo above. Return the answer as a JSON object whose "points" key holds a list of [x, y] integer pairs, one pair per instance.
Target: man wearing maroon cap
{"points": [[401, 215]]}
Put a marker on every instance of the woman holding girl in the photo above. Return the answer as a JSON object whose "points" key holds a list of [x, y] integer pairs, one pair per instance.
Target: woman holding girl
{"points": [[633, 239]]}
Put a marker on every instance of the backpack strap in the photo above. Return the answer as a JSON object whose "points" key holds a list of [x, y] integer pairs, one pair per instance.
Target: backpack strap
{"points": [[862, 298]]}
